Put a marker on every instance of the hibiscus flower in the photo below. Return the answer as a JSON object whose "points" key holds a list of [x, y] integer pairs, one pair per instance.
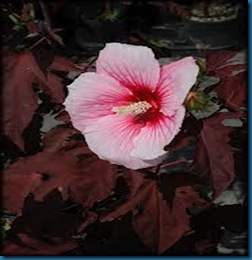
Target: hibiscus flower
{"points": [[130, 109]]}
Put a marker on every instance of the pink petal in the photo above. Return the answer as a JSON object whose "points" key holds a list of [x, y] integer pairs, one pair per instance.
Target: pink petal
{"points": [[111, 138], [133, 66], [176, 79], [154, 137], [92, 96]]}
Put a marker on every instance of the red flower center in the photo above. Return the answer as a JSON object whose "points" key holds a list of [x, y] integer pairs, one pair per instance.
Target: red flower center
{"points": [[153, 114], [144, 105]]}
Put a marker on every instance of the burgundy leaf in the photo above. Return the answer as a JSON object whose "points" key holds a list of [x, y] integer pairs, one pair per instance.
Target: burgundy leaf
{"points": [[94, 183], [63, 64], [231, 67], [158, 226], [39, 174], [216, 59], [17, 186], [204, 246], [60, 166], [32, 246], [168, 184], [214, 154], [58, 138], [19, 101], [234, 91], [225, 64], [54, 87], [45, 226], [63, 116]]}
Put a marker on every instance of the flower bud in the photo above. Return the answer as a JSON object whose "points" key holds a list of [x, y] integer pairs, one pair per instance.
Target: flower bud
{"points": [[197, 101]]}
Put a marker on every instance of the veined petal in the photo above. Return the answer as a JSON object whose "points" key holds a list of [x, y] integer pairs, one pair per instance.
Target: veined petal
{"points": [[133, 66], [153, 137], [92, 96], [176, 79], [111, 138]]}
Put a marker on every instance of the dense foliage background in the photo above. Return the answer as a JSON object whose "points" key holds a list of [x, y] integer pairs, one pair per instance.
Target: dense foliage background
{"points": [[59, 198]]}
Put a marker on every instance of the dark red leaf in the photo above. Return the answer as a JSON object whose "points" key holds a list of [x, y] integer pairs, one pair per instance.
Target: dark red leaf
{"points": [[226, 64], [191, 127], [17, 186], [94, 182], [45, 226], [32, 246], [19, 101], [168, 184], [60, 167], [229, 71], [158, 226], [234, 91], [54, 87], [58, 138], [204, 246], [214, 154], [63, 116], [231, 67], [63, 64], [27, 176], [61, 139], [138, 186], [216, 59]]}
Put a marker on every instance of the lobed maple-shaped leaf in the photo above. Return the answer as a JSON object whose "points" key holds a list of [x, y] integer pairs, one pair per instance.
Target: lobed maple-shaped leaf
{"points": [[20, 73], [19, 101], [94, 183], [61, 138], [234, 91], [91, 171], [158, 225], [215, 59], [214, 153], [37, 174], [231, 67], [169, 183], [224, 63], [58, 166], [44, 227]]}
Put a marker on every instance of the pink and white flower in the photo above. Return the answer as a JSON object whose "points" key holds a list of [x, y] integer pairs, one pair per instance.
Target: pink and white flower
{"points": [[130, 109]]}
